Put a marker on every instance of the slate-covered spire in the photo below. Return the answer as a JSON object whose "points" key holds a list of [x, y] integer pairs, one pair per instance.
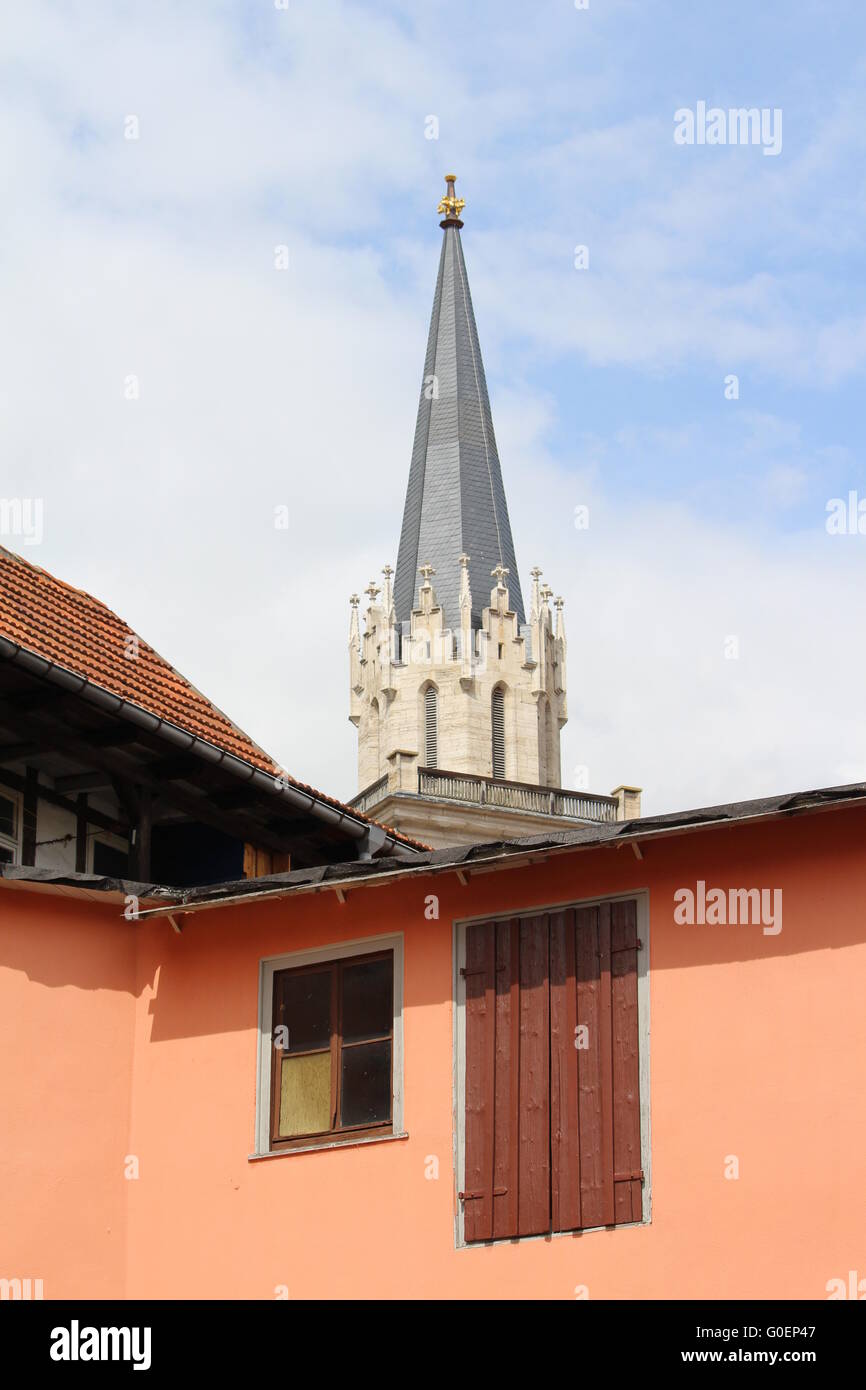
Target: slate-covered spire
{"points": [[455, 501]]}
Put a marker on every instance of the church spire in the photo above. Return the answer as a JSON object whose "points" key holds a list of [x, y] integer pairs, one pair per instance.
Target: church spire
{"points": [[455, 500]]}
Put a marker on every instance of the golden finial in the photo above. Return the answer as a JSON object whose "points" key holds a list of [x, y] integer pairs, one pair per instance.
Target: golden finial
{"points": [[450, 207]]}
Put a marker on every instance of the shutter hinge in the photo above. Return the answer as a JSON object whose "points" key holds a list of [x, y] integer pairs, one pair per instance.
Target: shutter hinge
{"points": [[476, 1196], [616, 950], [636, 1176], [481, 970]]}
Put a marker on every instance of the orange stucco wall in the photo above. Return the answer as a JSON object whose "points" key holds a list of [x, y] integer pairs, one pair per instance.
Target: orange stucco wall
{"points": [[67, 1032], [121, 1039]]}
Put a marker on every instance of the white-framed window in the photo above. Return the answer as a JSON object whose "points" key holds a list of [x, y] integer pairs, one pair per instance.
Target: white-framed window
{"points": [[10, 827], [330, 1055], [551, 1089]]}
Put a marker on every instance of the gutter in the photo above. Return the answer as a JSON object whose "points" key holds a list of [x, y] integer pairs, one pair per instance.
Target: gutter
{"points": [[372, 835]]}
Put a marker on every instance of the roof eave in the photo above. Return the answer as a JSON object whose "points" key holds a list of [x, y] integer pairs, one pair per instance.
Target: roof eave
{"points": [[536, 849], [356, 828]]}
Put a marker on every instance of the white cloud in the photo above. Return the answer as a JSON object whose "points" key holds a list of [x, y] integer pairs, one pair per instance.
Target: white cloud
{"points": [[259, 387], [652, 593]]}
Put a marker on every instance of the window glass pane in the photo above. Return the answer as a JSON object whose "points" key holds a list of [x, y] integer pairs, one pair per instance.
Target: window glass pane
{"points": [[366, 1084], [6, 855], [109, 860], [305, 1095], [7, 817], [304, 1008], [367, 1008]]}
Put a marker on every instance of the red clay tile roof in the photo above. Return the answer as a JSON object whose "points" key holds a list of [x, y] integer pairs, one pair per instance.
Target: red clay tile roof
{"points": [[73, 629]]}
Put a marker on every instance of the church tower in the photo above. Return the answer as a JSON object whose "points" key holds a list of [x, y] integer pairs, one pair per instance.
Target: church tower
{"points": [[457, 697]]}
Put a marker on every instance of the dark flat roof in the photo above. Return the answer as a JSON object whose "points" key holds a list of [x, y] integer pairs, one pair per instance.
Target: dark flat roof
{"points": [[357, 872]]}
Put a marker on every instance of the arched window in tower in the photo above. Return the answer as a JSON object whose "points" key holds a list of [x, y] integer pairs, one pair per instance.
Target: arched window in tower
{"points": [[431, 727], [498, 727]]}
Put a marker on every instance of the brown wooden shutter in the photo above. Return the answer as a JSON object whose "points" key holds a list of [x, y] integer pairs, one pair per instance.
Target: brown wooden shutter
{"points": [[565, 1151], [608, 1155], [534, 1180], [552, 1130], [627, 1175], [589, 1069], [507, 1153], [480, 1082], [507, 1129]]}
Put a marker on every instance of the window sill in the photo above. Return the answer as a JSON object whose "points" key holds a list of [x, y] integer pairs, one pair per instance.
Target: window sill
{"points": [[330, 1144], [577, 1233]]}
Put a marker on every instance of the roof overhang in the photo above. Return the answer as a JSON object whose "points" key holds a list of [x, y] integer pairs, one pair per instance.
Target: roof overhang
{"points": [[466, 860], [261, 801]]}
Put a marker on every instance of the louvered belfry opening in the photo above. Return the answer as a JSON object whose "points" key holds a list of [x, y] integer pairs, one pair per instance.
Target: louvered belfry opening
{"points": [[498, 732], [431, 727], [552, 1138]]}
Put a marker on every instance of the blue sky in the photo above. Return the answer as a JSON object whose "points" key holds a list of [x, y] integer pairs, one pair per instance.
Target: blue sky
{"points": [[305, 127]]}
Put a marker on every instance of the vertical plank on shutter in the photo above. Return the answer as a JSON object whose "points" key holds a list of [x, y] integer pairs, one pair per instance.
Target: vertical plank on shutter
{"points": [[626, 1072], [534, 1195], [589, 1069], [605, 1027], [507, 1084], [565, 1149], [480, 1062]]}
